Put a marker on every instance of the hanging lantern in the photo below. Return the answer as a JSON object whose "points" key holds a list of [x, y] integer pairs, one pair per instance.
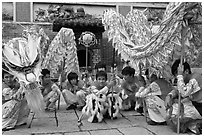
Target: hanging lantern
{"points": [[87, 39]]}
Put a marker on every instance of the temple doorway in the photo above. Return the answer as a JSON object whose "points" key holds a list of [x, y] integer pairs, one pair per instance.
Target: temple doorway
{"points": [[82, 58]]}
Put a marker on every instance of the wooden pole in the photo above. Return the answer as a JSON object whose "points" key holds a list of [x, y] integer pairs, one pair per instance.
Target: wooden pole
{"points": [[61, 75], [179, 109], [179, 94], [86, 59], [112, 87]]}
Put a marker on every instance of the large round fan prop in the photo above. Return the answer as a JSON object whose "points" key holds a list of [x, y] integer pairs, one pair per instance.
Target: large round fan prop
{"points": [[87, 39]]}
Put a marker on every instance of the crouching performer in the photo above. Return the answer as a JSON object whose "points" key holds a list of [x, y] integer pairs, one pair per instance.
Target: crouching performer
{"points": [[74, 93], [153, 97], [190, 87], [101, 102]]}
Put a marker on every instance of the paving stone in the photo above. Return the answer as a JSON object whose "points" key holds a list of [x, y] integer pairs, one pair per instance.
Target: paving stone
{"points": [[43, 122], [119, 122], [14, 132], [131, 113], [62, 128], [78, 133], [129, 124], [63, 110], [50, 128], [93, 126], [161, 130], [69, 116], [134, 131], [106, 132], [137, 120], [39, 127], [55, 133], [69, 126]]}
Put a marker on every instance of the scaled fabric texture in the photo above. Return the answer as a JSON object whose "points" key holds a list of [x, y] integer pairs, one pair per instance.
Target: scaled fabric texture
{"points": [[62, 53], [133, 38]]}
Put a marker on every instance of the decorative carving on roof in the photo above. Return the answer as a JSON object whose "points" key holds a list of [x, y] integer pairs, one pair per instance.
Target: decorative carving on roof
{"points": [[64, 16]]}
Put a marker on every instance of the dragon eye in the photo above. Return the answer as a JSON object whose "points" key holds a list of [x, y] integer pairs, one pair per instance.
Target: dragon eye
{"points": [[23, 69], [27, 69]]}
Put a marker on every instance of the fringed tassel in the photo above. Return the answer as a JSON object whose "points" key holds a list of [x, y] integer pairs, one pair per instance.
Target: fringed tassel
{"points": [[35, 99], [117, 105], [99, 116], [95, 106]]}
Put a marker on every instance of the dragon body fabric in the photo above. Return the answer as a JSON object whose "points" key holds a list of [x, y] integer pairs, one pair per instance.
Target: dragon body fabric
{"points": [[23, 58], [134, 40], [62, 52]]}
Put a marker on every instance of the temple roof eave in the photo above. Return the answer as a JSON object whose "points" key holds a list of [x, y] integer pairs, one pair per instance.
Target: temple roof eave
{"points": [[77, 24]]}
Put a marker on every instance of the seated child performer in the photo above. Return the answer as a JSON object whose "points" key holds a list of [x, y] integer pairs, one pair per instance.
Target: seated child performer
{"points": [[130, 86], [97, 104], [154, 95], [50, 90], [73, 92], [15, 110], [102, 67], [99, 67], [189, 85]]}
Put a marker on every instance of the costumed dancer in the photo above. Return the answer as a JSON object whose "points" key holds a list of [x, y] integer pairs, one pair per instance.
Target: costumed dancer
{"points": [[190, 86], [74, 92], [50, 91], [22, 56], [97, 104], [15, 110], [154, 95], [130, 86]]}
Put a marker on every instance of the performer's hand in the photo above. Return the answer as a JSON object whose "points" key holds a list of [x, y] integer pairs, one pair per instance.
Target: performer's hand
{"points": [[18, 96], [168, 101], [112, 82], [180, 69], [22, 84], [16, 86], [41, 88]]}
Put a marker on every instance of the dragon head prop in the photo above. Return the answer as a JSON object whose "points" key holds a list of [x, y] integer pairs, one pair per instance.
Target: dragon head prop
{"points": [[23, 58]]}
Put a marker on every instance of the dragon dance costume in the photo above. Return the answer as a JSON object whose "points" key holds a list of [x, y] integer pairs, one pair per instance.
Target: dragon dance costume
{"points": [[133, 39], [25, 57], [22, 56], [100, 103]]}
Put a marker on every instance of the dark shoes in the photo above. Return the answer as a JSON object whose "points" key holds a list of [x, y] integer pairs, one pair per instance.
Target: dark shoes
{"points": [[95, 120], [155, 123], [75, 106], [196, 131], [79, 108], [107, 116], [140, 110], [23, 124], [130, 109], [7, 129], [72, 106]]}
